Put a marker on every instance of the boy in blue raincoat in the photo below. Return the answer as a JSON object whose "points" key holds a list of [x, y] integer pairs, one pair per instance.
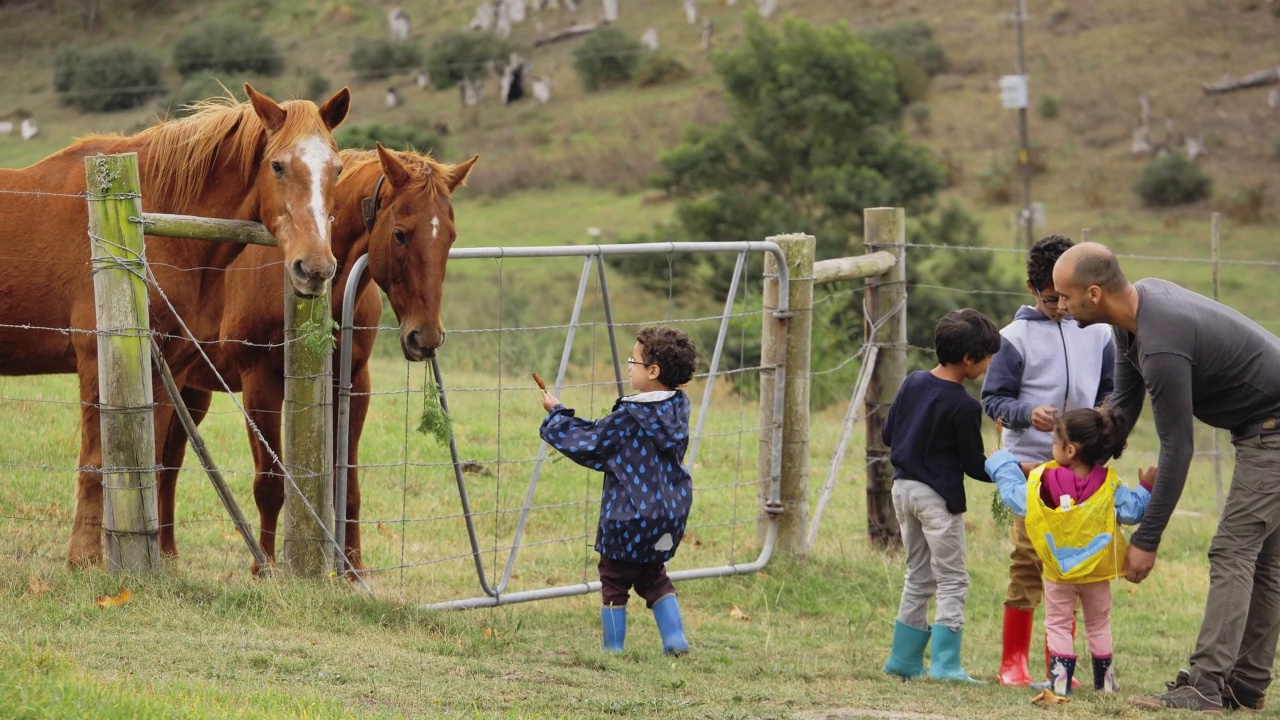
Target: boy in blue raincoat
{"points": [[647, 494]]}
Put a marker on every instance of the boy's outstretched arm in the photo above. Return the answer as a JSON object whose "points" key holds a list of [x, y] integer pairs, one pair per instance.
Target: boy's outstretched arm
{"points": [[585, 442]]}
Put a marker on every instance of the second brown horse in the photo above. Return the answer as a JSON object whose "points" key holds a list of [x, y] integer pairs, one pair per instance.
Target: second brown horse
{"points": [[407, 240]]}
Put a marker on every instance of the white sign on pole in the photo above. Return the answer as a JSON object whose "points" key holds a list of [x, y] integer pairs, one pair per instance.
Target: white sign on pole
{"points": [[1013, 91]]}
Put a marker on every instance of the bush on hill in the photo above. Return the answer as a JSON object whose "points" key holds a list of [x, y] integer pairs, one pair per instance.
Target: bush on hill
{"points": [[226, 45], [106, 79]]}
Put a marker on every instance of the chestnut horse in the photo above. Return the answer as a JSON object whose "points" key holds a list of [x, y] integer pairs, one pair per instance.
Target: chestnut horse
{"points": [[259, 160], [407, 234]]}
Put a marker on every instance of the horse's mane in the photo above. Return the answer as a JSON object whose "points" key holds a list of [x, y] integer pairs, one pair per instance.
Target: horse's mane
{"points": [[429, 174], [184, 151]]}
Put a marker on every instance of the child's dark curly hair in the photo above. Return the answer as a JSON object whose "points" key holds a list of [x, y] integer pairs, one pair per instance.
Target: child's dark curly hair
{"points": [[672, 351], [1041, 258]]}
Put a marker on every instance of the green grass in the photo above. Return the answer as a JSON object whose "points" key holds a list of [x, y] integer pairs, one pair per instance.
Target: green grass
{"points": [[203, 639]]}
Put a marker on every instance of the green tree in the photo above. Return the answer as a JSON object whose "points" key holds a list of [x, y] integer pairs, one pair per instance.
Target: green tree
{"points": [[813, 139]]}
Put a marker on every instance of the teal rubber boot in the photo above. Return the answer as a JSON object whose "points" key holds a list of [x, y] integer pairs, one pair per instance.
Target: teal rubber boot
{"points": [[613, 618], [906, 658], [667, 614], [946, 655]]}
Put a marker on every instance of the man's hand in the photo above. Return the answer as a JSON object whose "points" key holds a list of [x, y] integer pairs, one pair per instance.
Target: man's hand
{"points": [[1043, 417], [549, 401], [1138, 564]]}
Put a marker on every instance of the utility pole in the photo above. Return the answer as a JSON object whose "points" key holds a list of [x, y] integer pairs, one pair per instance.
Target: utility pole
{"points": [[1024, 158]]}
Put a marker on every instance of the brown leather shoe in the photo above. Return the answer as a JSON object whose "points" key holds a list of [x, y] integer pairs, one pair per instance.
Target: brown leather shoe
{"points": [[1182, 697], [1240, 695]]}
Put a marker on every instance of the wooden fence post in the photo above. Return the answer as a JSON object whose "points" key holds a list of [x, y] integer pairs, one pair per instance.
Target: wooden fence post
{"points": [[130, 518], [794, 356], [884, 229], [308, 434]]}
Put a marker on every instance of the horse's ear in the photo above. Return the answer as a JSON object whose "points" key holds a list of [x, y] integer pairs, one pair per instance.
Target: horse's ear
{"points": [[395, 170], [458, 173], [334, 110], [268, 110]]}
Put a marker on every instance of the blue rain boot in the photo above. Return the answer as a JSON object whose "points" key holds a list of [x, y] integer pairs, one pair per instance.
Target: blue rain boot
{"points": [[906, 658], [613, 618], [667, 613], [946, 655]]}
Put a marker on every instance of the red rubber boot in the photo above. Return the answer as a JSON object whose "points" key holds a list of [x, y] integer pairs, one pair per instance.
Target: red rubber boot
{"points": [[1017, 646]]}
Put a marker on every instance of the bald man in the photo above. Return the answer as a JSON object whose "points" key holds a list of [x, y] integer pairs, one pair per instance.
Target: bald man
{"points": [[1197, 357]]}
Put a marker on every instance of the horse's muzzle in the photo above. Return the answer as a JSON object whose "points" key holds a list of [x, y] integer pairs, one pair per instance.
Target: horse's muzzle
{"points": [[418, 347]]}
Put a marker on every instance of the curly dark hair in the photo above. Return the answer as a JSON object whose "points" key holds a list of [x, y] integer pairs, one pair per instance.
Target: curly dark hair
{"points": [[1040, 260], [672, 351]]}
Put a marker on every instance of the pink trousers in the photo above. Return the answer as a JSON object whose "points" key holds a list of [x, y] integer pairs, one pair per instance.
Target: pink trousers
{"points": [[1060, 611]]}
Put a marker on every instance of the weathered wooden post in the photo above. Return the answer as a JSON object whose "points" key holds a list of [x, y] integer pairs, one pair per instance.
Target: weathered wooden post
{"points": [[792, 352], [308, 435], [884, 229], [130, 519]]}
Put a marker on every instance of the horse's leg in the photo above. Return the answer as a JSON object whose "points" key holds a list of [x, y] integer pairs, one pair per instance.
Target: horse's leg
{"points": [[360, 386], [173, 448], [84, 549], [263, 399]]}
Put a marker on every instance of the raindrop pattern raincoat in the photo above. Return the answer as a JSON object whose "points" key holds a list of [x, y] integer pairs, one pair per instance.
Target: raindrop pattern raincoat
{"points": [[640, 448]]}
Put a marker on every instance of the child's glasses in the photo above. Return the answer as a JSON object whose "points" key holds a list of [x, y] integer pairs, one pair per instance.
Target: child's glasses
{"points": [[1050, 301], [637, 362]]}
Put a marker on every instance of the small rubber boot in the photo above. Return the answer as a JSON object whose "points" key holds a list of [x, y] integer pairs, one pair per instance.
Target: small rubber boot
{"points": [[1062, 669], [1074, 683], [667, 614], [906, 658], [1017, 646], [945, 663], [1104, 678], [613, 618]]}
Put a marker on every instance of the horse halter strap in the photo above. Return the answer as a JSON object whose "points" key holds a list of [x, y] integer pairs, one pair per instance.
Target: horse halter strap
{"points": [[369, 206]]}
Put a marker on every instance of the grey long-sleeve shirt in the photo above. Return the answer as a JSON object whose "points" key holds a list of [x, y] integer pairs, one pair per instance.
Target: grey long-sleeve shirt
{"points": [[1197, 358]]}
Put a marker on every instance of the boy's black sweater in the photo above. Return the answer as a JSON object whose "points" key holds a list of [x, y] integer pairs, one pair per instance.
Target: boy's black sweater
{"points": [[934, 430]]}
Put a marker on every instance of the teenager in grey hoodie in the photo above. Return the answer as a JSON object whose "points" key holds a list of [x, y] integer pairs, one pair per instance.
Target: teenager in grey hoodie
{"points": [[1047, 364]]}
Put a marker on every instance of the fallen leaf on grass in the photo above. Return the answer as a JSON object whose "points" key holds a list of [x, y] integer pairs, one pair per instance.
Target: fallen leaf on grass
{"points": [[110, 601], [490, 633], [1046, 697], [736, 614], [36, 586]]}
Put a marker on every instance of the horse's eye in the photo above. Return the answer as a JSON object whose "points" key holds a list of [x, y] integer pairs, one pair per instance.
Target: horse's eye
{"points": [[277, 167], [399, 236], [339, 173]]}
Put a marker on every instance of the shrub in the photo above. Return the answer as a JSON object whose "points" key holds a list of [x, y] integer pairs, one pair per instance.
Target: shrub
{"points": [[461, 55], [1172, 179], [607, 58], [1049, 107], [227, 45], [393, 137], [919, 114], [106, 79], [660, 69], [913, 40], [1247, 205], [376, 59], [995, 182]]}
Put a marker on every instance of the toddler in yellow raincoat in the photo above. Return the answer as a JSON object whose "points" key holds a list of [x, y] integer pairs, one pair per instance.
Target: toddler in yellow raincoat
{"points": [[1073, 507]]}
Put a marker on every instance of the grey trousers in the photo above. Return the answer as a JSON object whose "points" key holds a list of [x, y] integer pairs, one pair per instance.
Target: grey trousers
{"points": [[934, 540], [1242, 613]]}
